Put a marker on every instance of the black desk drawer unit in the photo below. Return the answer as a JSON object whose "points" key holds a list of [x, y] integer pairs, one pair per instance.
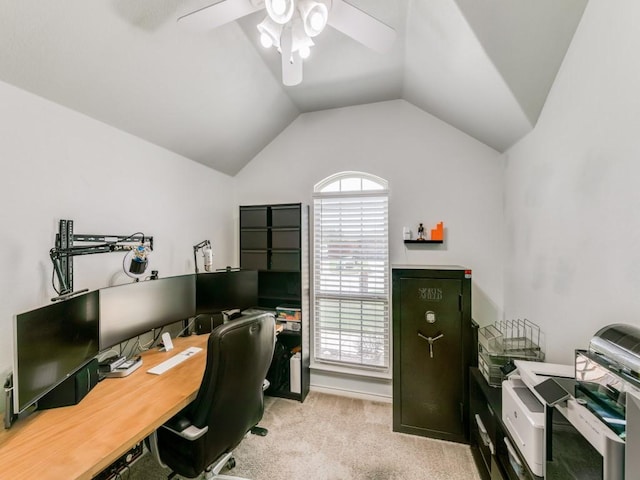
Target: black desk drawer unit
{"points": [[502, 460], [480, 427], [432, 351]]}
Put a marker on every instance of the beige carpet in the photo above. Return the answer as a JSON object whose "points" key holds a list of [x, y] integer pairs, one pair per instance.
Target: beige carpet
{"points": [[336, 438]]}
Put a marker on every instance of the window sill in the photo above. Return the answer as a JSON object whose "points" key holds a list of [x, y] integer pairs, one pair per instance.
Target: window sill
{"points": [[354, 371]]}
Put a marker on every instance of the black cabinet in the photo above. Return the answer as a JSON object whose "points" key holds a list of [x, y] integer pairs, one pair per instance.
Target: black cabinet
{"points": [[432, 351], [274, 239], [492, 446], [484, 412]]}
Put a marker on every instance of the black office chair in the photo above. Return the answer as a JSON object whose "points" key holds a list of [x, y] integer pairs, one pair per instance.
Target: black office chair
{"points": [[229, 402]]}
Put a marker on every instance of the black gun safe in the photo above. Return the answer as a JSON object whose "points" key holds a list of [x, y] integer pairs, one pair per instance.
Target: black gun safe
{"points": [[432, 351]]}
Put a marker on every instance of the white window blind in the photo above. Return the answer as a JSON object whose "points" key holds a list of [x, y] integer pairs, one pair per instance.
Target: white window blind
{"points": [[351, 276]]}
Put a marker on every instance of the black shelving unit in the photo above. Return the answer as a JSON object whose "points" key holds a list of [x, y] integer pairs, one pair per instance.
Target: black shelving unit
{"points": [[274, 240]]}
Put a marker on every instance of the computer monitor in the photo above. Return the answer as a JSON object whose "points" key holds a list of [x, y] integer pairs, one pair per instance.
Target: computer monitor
{"points": [[129, 310], [50, 344], [218, 291]]}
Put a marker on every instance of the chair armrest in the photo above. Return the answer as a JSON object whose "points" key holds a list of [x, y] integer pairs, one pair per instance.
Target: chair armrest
{"points": [[182, 426], [177, 423]]}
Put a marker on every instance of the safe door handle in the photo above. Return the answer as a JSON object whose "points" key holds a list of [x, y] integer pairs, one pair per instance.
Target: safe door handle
{"points": [[430, 340]]}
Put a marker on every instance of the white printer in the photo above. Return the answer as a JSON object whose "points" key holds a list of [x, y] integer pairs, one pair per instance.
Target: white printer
{"points": [[523, 413], [523, 409]]}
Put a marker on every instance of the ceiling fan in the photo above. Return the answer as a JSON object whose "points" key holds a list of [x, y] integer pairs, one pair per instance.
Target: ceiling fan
{"points": [[290, 26]]}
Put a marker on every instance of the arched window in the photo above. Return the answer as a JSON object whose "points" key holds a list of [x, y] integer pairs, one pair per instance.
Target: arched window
{"points": [[351, 270]]}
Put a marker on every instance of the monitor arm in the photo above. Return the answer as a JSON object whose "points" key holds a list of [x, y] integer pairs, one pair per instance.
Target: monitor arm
{"points": [[56, 255], [62, 254]]}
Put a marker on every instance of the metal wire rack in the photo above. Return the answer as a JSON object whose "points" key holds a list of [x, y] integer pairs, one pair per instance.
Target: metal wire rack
{"points": [[504, 341], [520, 337]]}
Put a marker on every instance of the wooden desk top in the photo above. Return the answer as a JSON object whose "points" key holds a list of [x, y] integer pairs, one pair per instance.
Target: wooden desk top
{"points": [[79, 441]]}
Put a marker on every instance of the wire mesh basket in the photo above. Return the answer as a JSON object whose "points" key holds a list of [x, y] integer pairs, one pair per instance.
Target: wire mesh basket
{"points": [[520, 337], [505, 341]]}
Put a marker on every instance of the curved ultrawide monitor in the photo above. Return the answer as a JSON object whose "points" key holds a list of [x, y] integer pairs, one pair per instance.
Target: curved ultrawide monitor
{"points": [[129, 310], [51, 343]]}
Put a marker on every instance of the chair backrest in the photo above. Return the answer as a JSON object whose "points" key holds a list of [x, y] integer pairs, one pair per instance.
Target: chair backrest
{"points": [[230, 398]]}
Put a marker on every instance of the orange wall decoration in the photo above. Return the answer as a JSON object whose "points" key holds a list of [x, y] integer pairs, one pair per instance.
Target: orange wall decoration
{"points": [[438, 232]]}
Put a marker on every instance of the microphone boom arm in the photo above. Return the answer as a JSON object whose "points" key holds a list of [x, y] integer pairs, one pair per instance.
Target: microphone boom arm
{"points": [[199, 246]]}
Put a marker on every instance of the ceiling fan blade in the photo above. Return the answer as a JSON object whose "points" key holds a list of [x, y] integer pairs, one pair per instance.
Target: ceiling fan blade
{"points": [[218, 14], [361, 26], [291, 62]]}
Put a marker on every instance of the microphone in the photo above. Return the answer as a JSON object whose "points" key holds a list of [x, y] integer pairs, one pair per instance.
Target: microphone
{"points": [[208, 258], [138, 260]]}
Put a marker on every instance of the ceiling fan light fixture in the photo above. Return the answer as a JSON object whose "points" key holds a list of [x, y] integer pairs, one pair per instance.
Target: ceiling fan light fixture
{"points": [[304, 52], [280, 11], [317, 21], [300, 41], [314, 16], [279, 7], [270, 32], [266, 41]]}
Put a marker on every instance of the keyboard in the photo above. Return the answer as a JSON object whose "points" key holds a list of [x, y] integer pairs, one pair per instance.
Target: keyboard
{"points": [[173, 361]]}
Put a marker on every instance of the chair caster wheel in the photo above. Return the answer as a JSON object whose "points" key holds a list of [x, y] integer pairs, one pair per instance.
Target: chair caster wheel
{"points": [[231, 463], [259, 431]]}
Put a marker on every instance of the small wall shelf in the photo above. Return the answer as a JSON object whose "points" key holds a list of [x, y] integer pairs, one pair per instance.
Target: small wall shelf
{"points": [[423, 241]]}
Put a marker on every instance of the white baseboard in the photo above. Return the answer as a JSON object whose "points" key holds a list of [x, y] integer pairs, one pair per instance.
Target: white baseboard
{"points": [[351, 394]]}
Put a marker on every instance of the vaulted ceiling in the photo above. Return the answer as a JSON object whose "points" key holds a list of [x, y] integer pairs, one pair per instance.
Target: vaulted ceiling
{"points": [[216, 97]]}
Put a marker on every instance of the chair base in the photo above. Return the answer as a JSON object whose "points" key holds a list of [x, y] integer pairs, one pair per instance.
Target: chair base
{"points": [[213, 471]]}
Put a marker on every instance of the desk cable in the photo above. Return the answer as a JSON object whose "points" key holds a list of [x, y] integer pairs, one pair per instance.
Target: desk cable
{"points": [[189, 325]]}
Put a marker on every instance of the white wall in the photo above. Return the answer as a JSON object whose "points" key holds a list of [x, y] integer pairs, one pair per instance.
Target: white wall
{"points": [[573, 197], [58, 164], [435, 173]]}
